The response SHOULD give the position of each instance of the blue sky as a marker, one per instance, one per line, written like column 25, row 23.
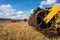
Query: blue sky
column 21, row 9
column 24, row 5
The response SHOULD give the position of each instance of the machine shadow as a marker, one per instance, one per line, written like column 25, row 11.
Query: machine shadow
column 51, row 35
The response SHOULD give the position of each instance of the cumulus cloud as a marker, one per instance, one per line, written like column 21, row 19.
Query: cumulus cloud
column 48, row 3
column 7, row 11
column 22, row 15
column 1, row 15
column 29, row 13
column 20, row 12
column 57, row 4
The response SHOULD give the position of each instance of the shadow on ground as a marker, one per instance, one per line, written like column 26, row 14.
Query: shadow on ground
column 51, row 35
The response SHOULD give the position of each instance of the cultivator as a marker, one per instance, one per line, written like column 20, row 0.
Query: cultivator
column 46, row 19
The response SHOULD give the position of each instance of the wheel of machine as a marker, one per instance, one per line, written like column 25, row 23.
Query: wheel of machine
column 39, row 20
column 58, row 29
column 31, row 20
column 36, row 20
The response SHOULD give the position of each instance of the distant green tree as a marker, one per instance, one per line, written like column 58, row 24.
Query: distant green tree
column 25, row 20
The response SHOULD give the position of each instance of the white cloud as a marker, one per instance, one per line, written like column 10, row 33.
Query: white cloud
column 24, row 15
column 20, row 12
column 1, row 16
column 57, row 4
column 29, row 13
column 7, row 11
column 49, row 3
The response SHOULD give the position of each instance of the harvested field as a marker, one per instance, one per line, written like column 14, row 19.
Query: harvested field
column 22, row 31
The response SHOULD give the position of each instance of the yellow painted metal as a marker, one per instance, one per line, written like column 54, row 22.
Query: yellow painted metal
column 53, row 11
column 57, row 19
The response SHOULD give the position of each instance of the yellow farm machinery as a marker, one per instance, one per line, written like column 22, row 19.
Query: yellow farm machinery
column 46, row 19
